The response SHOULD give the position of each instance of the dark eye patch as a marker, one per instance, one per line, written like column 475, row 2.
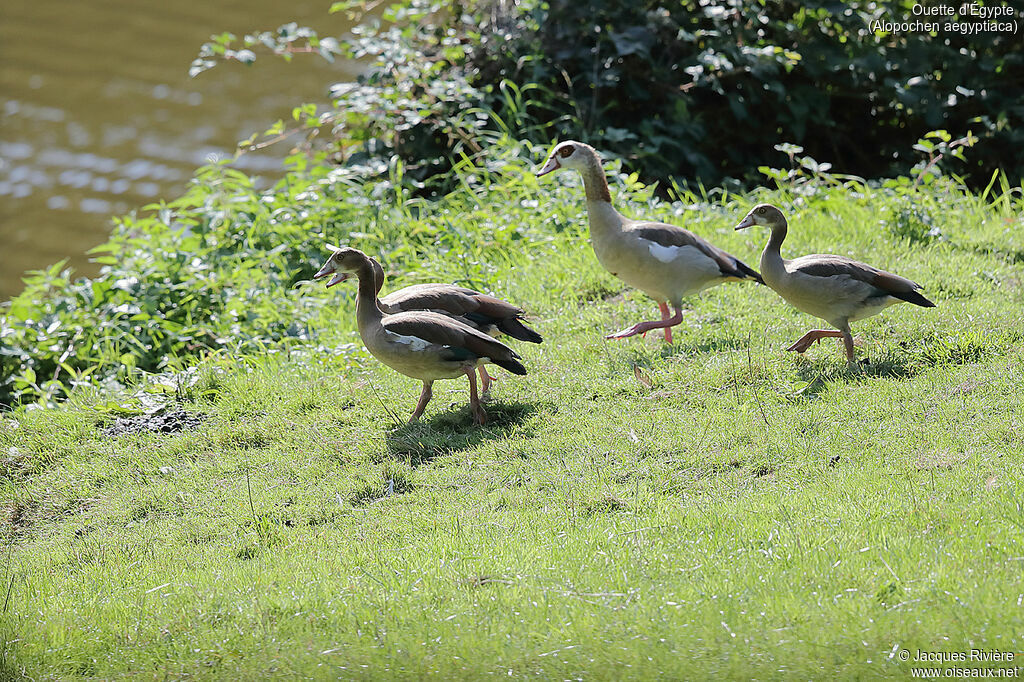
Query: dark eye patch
column 565, row 151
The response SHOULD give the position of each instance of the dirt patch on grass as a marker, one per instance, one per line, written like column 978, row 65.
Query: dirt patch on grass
column 172, row 421
column 20, row 514
column 17, row 464
column 939, row 460
column 604, row 505
column 483, row 580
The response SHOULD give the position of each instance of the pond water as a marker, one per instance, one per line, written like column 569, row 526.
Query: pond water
column 98, row 115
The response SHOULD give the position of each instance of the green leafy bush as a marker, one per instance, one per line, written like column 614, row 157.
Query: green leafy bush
column 703, row 91
column 694, row 91
column 414, row 101
column 212, row 269
column 222, row 269
column 439, row 112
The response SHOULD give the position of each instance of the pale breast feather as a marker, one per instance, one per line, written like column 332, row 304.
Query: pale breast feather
column 415, row 343
column 666, row 254
column 669, row 254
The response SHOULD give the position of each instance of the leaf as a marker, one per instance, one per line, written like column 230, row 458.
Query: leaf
column 345, row 6
column 124, row 409
column 613, row 134
column 329, row 44
column 634, row 40
column 788, row 148
column 641, row 377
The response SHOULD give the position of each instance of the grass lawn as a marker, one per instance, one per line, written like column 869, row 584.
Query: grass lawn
column 713, row 509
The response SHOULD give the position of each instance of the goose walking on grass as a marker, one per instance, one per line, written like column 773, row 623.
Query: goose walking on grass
column 487, row 314
column 421, row 344
column 836, row 289
column 664, row 261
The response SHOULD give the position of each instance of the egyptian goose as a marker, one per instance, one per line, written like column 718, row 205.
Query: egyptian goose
column 836, row 289
column 484, row 313
column 421, row 344
column 666, row 262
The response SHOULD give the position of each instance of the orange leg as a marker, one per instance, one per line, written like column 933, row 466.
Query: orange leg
column 425, row 396
column 849, row 343
column 815, row 335
column 665, row 315
column 812, row 337
column 643, row 327
column 479, row 416
column 485, row 379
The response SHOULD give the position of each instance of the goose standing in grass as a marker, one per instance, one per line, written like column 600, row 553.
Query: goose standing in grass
column 421, row 344
column 484, row 313
column 836, row 289
column 664, row 261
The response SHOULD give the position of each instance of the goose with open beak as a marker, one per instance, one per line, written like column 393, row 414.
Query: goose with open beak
column 421, row 344
column 487, row 314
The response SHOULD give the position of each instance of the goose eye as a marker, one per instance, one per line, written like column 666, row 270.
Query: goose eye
column 565, row 151
column 761, row 211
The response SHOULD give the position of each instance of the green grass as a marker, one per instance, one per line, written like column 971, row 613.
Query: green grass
column 717, row 508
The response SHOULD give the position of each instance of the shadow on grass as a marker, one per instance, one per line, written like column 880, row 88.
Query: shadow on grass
column 1009, row 255
column 453, row 430
column 912, row 356
column 819, row 374
column 713, row 345
column 645, row 356
column 904, row 360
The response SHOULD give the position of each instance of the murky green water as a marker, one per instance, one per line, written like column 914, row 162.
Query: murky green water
column 98, row 115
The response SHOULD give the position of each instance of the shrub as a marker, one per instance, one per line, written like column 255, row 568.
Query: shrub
column 703, row 91
column 438, row 111
column 694, row 91
column 212, row 269
column 222, row 267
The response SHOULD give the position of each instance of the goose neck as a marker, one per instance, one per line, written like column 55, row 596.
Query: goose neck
column 779, row 231
column 772, row 265
column 368, row 308
column 595, row 182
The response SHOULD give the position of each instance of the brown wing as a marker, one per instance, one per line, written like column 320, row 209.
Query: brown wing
column 673, row 235
column 505, row 316
column 463, row 341
column 447, row 297
column 828, row 265
column 495, row 307
column 475, row 308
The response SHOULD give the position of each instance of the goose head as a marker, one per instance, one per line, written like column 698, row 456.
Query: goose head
column 763, row 214
column 343, row 263
column 569, row 154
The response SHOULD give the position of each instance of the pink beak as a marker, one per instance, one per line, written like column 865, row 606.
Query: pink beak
column 552, row 164
column 746, row 222
column 328, row 269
